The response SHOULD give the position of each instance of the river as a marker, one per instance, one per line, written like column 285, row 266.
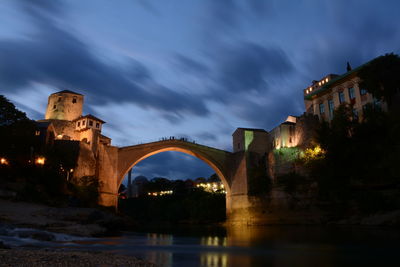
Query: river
column 257, row 246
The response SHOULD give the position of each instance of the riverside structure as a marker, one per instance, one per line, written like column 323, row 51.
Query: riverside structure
column 248, row 172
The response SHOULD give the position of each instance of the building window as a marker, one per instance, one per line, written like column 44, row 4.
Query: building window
column 90, row 123
column 79, row 123
column 351, row 93
column 321, row 108
column 83, row 123
column 37, row 133
column 366, row 107
column 97, row 125
column 355, row 114
column 55, row 106
column 377, row 104
column 74, row 100
column 341, row 97
column 363, row 91
column 59, row 99
column 331, row 107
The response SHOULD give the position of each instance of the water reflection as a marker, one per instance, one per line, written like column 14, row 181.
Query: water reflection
column 162, row 258
column 263, row 246
column 213, row 241
column 214, row 259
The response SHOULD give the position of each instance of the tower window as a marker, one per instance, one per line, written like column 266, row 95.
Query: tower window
column 55, row 106
column 83, row 123
column 97, row 125
column 74, row 100
column 59, row 99
column 90, row 123
column 79, row 123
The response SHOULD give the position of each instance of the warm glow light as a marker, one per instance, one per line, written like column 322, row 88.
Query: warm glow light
column 161, row 193
column 326, row 80
column 311, row 154
column 319, row 83
column 40, row 160
column 3, row 161
column 59, row 136
column 307, row 91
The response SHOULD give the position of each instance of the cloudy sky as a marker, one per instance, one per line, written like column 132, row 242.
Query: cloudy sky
column 193, row 68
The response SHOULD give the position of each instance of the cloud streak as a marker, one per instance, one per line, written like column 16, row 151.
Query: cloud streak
column 55, row 57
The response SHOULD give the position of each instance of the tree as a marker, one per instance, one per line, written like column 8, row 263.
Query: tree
column 381, row 77
column 16, row 130
column 9, row 114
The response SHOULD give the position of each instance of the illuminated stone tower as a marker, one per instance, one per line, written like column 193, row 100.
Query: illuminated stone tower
column 64, row 105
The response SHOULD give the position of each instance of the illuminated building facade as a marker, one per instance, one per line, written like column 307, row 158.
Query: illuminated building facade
column 322, row 97
column 64, row 114
column 295, row 131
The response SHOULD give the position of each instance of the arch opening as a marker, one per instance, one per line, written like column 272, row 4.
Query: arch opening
column 217, row 169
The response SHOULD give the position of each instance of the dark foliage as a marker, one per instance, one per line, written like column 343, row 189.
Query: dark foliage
column 45, row 183
column 17, row 140
column 196, row 206
column 361, row 164
column 84, row 192
column 381, row 77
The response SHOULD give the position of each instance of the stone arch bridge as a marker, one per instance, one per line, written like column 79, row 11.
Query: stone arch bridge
column 233, row 168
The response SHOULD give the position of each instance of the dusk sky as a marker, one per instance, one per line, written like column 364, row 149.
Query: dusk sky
column 190, row 68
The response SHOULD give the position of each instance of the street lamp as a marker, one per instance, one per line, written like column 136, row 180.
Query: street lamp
column 40, row 160
column 3, row 161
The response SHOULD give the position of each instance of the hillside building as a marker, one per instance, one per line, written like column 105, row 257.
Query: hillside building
column 323, row 96
column 66, row 128
column 64, row 113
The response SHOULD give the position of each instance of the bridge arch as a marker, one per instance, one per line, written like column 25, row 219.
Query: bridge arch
column 217, row 159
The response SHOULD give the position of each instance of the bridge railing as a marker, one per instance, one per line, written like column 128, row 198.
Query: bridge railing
column 167, row 138
column 174, row 138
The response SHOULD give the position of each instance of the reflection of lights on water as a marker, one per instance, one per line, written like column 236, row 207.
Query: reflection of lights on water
column 159, row 239
column 214, row 259
column 161, row 258
column 213, row 241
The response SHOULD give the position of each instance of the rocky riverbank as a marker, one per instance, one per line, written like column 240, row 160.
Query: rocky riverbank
column 46, row 257
column 70, row 220
column 29, row 232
